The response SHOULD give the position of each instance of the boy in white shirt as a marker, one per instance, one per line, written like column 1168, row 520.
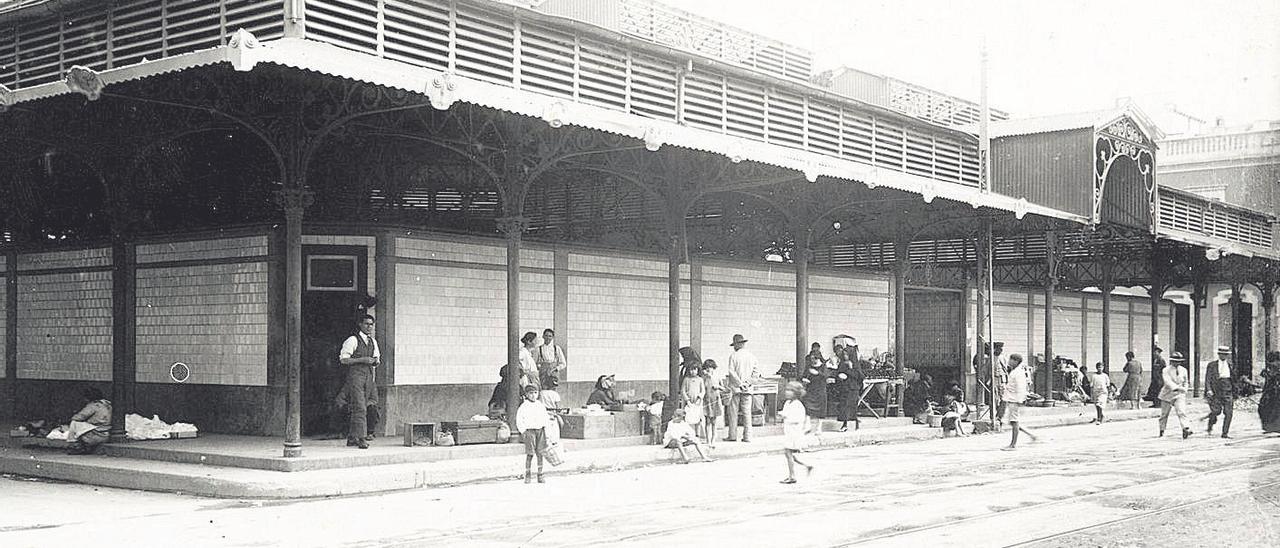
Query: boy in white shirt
column 531, row 421
column 680, row 435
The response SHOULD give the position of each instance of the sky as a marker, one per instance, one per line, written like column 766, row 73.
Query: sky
column 1208, row 59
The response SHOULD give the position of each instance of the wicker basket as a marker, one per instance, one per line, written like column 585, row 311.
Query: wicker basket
column 554, row 453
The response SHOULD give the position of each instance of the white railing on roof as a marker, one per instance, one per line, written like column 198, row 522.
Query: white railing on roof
column 675, row 27
column 935, row 106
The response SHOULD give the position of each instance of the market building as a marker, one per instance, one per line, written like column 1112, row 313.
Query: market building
column 200, row 193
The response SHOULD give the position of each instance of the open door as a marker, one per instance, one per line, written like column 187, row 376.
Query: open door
column 334, row 295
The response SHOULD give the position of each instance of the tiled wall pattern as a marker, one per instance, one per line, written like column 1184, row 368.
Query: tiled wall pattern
column 211, row 317
column 451, row 321
column 619, row 326
column 64, row 324
column 1010, row 323
column 765, row 317
column 862, row 308
column 190, row 250
column 4, row 317
column 79, row 258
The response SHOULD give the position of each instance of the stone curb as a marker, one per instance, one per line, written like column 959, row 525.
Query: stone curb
column 221, row 482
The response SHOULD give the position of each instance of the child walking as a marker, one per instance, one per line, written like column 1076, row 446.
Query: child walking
column 680, row 435
column 794, row 425
column 531, row 421
column 1099, row 383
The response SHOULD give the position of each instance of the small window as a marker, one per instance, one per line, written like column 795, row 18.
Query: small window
column 331, row 273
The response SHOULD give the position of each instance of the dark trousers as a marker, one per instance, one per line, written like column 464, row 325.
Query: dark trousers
column 361, row 394
column 1222, row 403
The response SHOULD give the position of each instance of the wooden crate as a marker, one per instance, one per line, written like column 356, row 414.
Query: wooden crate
column 419, row 433
column 588, row 427
column 472, row 432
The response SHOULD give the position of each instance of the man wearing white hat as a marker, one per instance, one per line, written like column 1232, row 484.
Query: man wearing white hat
column 1173, row 393
column 741, row 370
column 1219, row 390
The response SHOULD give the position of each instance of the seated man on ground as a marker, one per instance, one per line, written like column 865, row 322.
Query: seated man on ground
column 680, row 435
column 91, row 426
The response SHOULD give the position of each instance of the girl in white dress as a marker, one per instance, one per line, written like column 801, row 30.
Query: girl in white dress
column 795, row 424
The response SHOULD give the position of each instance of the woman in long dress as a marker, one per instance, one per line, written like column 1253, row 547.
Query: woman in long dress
column 1269, row 403
column 814, row 378
column 1132, row 389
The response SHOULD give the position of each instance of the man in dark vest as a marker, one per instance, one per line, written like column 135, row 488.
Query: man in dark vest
column 1220, row 390
column 360, row 356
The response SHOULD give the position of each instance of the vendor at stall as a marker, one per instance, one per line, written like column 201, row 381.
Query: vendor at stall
column 603, row 395
column 91, row 426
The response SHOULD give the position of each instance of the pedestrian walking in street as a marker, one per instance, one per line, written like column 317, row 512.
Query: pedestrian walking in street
column 1269, row 403
column 1173, row 394
column 1220, row 391
column 1100, row 381
column 794, row 428
column 1014, row 394
column 743, row 369
column 679, row 435
column 1157, row 377
column 360, row 355
column 715, row 400
column 531, row 421
column 1130, row 390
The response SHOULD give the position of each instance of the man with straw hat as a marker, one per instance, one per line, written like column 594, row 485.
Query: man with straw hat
column 1173, row 393
column 741, row 370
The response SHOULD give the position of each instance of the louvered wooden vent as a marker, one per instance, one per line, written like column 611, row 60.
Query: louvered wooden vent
column 1190, row 213
column 117, row 34
column 454, row 36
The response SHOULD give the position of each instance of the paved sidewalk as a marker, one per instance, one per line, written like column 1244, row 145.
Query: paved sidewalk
column 231, row 482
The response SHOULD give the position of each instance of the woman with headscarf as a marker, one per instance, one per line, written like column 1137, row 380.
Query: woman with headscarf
column 603, row 394
column 1269, row 403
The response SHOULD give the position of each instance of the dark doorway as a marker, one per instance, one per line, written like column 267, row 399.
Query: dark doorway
column 933, row 344
column 1243, row 360
column 1181, row 335
column 334, row 295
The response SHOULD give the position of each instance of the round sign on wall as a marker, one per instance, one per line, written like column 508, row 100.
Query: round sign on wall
column 179, row 372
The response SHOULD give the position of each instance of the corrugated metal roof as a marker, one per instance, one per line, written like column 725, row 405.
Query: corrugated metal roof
column 1066, row 122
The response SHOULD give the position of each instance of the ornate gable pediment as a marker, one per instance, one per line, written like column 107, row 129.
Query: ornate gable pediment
column 1125, row 128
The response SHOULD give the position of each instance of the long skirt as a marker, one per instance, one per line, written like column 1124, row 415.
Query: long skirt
column 1131, row 391
column 1269, row 405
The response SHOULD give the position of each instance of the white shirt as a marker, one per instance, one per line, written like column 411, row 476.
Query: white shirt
column 349, row 346
column 742, row 368
column 532, row 415
column 527, row 366
column 1015, row 387
column 678, row 431
column 1224, row 369
column 551, row 354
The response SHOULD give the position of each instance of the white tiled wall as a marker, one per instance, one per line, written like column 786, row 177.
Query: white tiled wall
column 64, row 325
column 80, row 258
column 451, row 321
column 765, row 317
column 211, row 317
column 248, row 246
